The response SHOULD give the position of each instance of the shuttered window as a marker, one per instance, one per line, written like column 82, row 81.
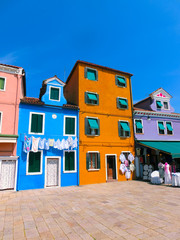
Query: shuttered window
column 92, row 126
column 120, row 81
column 124, row 129
column 159, row 104
column 70, row 126
column 92, row 160
column 34, row 161
column 70, row 161
column 169, row 128
column 54, row 93
column 138, row 126
column 37, row 123
column 2, row 83
column 161, row 128
column 91, row 74
column 92, row 98
column 122, row 103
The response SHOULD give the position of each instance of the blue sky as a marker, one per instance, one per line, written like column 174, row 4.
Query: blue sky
column 138, row 36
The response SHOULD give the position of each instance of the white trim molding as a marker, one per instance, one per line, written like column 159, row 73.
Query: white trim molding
column 75, row 163
column 41, row 164
column 156, row 114
column 11, row 69
column 3, row 90
column 59, row 172
column 30, row 119
column 106, row 155
column 50, row 93
column 64, row 125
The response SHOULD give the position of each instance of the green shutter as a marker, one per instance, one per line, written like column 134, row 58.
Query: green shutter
column 93, row 123
column 91, row 74
column 87, row 160
column 169, row 126
column 2, row 82
column 161, row 126
column 54, row 94
column 36, row 123
column 34, row 162
column 138, row 124
column 70, row 126
column 69, row 161
column 98, row 161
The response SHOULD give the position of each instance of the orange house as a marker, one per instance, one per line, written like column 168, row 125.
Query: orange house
column 105, row 120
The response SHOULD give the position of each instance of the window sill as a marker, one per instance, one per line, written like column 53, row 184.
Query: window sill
column 93, row 170
column 70, row 171
column 40, row 173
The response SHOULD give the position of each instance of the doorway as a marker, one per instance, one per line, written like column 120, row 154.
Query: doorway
column 7, row 174
column 52, row 172
column 111, row 171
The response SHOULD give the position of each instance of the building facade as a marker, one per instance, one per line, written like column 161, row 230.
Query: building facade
column 105, row 120
column 12, row 88
column 157, row 131
column 48, row 139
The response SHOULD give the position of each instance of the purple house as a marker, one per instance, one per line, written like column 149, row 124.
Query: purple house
column 157, row 131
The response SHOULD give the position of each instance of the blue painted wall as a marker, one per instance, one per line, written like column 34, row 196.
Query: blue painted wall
column 53, row 129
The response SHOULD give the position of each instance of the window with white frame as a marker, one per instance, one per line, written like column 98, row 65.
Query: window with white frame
column 161, row 128
column 120, row 81
column 34, row 162
column 122, row 103
column 166, row 105
column 159, row 104
column 69, row 161
column 70, row 125
column 91, row 98
column 54, row 93
column 124, row 129
column 138, row 126
column 36, row 123
column 92, row 160
column 2, row 83
column 169, row 128
column 92, row 126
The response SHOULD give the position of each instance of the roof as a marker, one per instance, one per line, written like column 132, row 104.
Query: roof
column 71, row 106
column 159, row 89
column 31, row 100
column 95, row 65
column 142, row 100
column 151, row 111
column 55, row 77
column 7, row 65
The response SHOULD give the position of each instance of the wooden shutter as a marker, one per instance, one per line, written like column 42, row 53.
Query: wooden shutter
column 117, row 100
column 98, row 161
column 39, row 123
column 97, row 99
column 119, row 128
column 86, row 97
column 87, row 128
column 98, row 131
column 87, row 160
column 85, row 72
column 70, row 125
column 34, row 162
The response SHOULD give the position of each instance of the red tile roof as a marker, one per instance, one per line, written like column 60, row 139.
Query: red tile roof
column 70, row 106
column 30, row 100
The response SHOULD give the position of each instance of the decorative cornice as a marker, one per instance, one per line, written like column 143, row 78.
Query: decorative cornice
column 157, row 114
column 11, row 70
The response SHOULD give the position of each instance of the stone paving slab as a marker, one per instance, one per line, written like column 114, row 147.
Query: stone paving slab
column 117, row 210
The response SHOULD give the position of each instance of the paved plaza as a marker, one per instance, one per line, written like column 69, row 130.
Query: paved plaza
column 116, row 210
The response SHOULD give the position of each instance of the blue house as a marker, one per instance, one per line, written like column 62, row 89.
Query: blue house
column 48, row 139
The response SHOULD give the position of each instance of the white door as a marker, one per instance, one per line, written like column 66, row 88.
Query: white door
column 52, row 172
column 7, row 174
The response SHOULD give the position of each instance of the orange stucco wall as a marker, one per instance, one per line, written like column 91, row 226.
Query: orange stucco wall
column 107, row 112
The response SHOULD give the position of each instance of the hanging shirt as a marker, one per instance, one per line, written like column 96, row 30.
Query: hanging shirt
column 35, row 144
column 55, row 144
column 46, row 144
column 74, row 145
column 70, row 141
column 63, row 144
column 66, row 144
column 41, row 143
column 27, row 144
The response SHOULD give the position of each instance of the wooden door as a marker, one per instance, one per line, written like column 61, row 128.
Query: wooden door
column 52, row 172
column 7, row 174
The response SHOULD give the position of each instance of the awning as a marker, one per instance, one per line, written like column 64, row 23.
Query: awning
column 159, row 104
column 93, row 123
column 161, row 126
column 168, row 147
column 121, row 80
column 125, row 126
column 123, row 102
column 138, row 124
column 169, row 127
column 92, row 96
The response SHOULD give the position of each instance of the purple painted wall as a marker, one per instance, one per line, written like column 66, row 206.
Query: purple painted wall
column 150, row 128
column 154, row 107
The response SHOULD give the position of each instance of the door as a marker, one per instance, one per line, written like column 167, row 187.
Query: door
column 111, row 167
column 52, row 172
column 7, row 175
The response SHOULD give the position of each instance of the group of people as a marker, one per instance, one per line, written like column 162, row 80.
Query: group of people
column 165, row 171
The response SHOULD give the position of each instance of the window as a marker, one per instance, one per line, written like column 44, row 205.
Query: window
column 122, row 103
column 159, row 104
column 169, row 128
column 70, row 125
column 138, row 126
column 166, row 106
column 92, row 160
column 91, row 74
column 36, row 123
column 69, row 161
column 34, row 163
column 91, row 98
column 120, row 81
column 2, row 84
column 161, row 128
column 92, row 126
column 54, row 93
column 124, row 130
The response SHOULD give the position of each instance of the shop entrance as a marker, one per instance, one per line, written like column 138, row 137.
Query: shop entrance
column 111, row 167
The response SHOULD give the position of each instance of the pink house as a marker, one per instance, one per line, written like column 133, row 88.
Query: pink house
column 12, row 89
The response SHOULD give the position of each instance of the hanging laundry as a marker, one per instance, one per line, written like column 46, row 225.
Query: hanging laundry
column 35, row 144
column 51, row 142
column 128, row 174
column 55, row 144
column 63, row 144
column 27, row 144
column 41, row 143
column 130, row 157
column 74, row 145
column 132, row 167
column 66, row 144
column 123, row 168
column 122, row 158
column 46, row 144
column 70, row 141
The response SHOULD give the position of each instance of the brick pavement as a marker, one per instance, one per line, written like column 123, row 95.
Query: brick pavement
column 116, row 210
